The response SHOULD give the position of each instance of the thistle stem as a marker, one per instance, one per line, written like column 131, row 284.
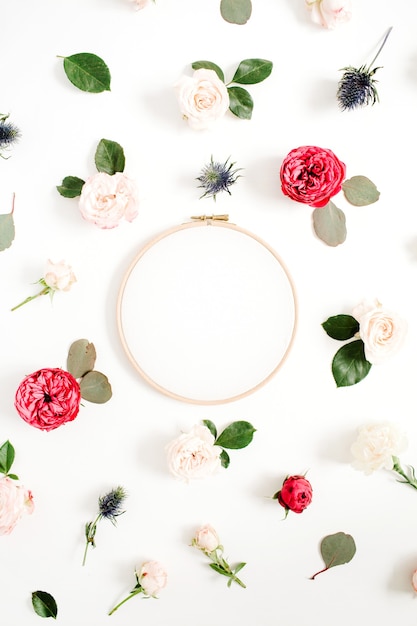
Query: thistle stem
column 380, row 47
column 44, row 291
column 133, row 593
column 90, row 534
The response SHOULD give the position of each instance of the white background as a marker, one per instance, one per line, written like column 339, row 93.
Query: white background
column 303, row 421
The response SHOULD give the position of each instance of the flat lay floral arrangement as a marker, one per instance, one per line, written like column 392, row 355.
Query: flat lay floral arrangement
column 102, row 192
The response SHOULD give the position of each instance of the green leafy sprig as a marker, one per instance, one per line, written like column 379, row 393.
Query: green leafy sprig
column 44, row 604
column 249, row 72
column 94, row 385
column 349, row 365
column 87, row 72
column 336, row 549
column 7, row 229
column 234, row 437
column 109, row 158
column 7, row 455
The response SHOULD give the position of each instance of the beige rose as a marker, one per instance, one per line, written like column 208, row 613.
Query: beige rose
column 202, row 97
column 107, row 199
column 206, row 539
column 15, row 501
column 381, row 330
column 59, row 276
column 193, row 454
column 152, row 578
column 330, row 13
column 375, row 446
column 414, row 580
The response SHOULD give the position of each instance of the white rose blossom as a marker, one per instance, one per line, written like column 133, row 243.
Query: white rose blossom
column 152, row 578
column 15, row 502
column 202, row 98
column 382, row 331
column 376, row 445
column 59, row 276
column 206, row 539
column 107, row 199
column 193, row 454
column 330, row 13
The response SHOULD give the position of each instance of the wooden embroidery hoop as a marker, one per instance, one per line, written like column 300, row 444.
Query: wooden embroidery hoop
column 126, row 297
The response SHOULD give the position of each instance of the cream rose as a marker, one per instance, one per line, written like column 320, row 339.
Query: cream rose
column 141, row 4
column 152, row 578
column 375, row 446
column 106, row 199
column 59, row 276
column 15, row 501
column 202, row 97
column 414, row 580
column 330, row 13
column 193, row 454
column 206, row 539
column 381, row 330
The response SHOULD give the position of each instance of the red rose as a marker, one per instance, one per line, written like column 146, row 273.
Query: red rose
column 296, row 494
column 48, row 398
column 312, row 175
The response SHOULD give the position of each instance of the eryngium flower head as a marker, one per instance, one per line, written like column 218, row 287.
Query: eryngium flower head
column 216, row 177
column 357, row 88
column 9, row 133
column 110, row 505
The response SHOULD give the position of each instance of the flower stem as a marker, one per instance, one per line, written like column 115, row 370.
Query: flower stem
column 133, row 593
column 410, row 480
column 380, row 47
column 44, row 291
column 90, row 532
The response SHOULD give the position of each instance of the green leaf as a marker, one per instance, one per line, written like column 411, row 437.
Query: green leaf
column 251, row 71
column 219, row 569
column 341, row 327
column 240, row 102
column 236, row 11
column 208, row 65
column 329, row 224
column 7, row 231
column 95, row 387
column 87, row 72
column 238, row 567
column 360, row 191
column 225, row 459
column 6, row 457
column 13, row 476
column 337, row 549
column 44, row 604
column 212, row 428
column 81, row 358
column 349, row 364
column 237, row 435
column 71, row 186
column 109, row 157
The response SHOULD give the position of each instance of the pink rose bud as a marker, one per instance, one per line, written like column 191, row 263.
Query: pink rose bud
column 206, row 539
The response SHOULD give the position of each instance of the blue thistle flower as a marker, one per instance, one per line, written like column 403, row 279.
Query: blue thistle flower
column 110, row 507
column 216, row 177
column 9, row 133
column 357, row 87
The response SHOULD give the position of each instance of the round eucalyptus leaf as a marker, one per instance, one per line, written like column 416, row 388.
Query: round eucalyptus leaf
column 81, row 358
column 337, row 549
column 236, row 11
column 7, row 231
column 360, row 191
column 95, row 387
column 329, row 224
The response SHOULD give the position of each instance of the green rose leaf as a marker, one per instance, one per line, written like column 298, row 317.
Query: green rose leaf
column 6, row 457
column 329, row 224
column 212, row 428
column 349, row 364
column 236, row 11
column 240, row 102
column 44, row 604
column 360, row 191
column 336, row 549
column 251, row 71
column 71, row 186
column 87, row 72
column 13, row 476
column 219, row 569
column 208, row 65
column 109, row 157
column 224, row 459
column 81, row 358
column 341, row 327
column 7, row 231
column 237, row 435
column 95, row 387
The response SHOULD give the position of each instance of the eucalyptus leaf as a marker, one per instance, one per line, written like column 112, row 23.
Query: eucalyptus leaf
column 360, row 191
column 224, row 459
column 44, row 604
column 329, row 224
column 341, row 327
column 251, row 71
column 212, row 428
column 109, row 157
column 81, row 358
column 236, row 11
column 88, row 72
column 71, row 186
column 336, row 549
column 6, row 457
column 237, row 435
column 208, row 65
column 7, row 231
column 240, row 102
column 95, row 387
column 349, row 365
